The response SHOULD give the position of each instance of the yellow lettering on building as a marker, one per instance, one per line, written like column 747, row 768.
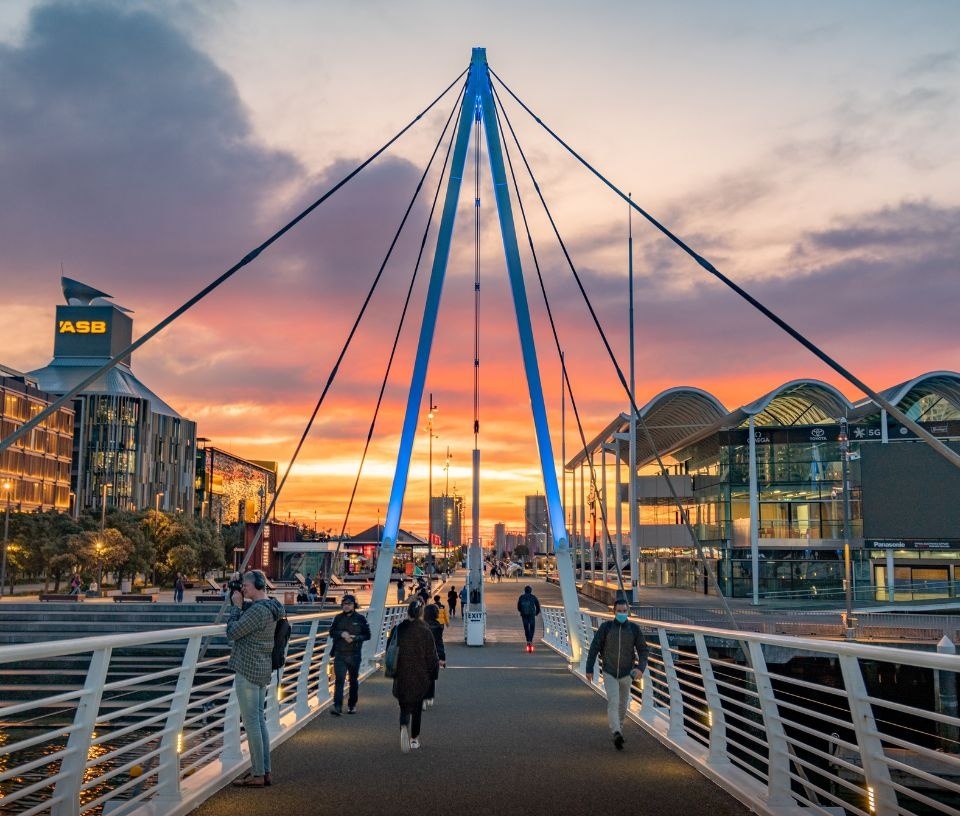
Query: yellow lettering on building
column 82, row 327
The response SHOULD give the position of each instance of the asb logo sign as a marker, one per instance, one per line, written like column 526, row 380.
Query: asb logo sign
column 82, row 327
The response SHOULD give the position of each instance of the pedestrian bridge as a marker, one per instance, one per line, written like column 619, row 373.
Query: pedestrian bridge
column 723, row 722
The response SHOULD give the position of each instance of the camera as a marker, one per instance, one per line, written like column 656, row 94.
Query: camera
column 234, row 585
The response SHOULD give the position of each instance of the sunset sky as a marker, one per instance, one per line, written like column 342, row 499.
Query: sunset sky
column 808, row 149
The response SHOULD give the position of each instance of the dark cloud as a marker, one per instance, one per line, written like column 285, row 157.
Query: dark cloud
column 126, row 151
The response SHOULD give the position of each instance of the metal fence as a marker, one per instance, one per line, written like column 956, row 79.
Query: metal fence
column 787, row 722
column 146, row 723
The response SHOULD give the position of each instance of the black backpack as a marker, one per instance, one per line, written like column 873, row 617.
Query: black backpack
column 281, row 640
column 528, row 605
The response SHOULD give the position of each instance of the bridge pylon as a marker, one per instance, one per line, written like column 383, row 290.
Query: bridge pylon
column 478, row 102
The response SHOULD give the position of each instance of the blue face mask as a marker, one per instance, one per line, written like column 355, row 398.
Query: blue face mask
column 621, row 617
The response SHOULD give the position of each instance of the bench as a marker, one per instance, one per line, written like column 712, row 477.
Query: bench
column 208, row 597
column 58, row 596
column 129, row 597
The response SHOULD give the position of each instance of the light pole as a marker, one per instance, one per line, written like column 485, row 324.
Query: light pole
column 103, row 506
column 844, row 440
column 8, row 489
column 430, row 415
column 99, row 569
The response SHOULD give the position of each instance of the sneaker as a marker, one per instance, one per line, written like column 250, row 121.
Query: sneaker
column 423, row 705
column 428, row 703
column 335, row 712
column 405, row 739
column 352, row 710
column 414, row 743
column 267, row 780
column 618, row 741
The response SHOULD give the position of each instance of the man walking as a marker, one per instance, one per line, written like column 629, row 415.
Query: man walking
column 452, row 599
column 463, row 599
column 347, row 633
column 528, row 605
column 623, row 652
column 178, row 589
column 251, row 632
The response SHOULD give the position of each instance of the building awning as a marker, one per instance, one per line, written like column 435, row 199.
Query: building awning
column 670, row 417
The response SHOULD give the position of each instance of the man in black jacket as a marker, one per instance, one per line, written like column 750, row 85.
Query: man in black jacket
column 347, row 633
column 528, row 605
column 623, row 652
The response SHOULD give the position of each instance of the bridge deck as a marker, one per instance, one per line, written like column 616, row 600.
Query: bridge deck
column 511, row 733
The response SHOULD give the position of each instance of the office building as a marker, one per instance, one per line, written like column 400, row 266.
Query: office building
column 130, row 449
column 538, row 536
column 35, row 471
column 230, row 488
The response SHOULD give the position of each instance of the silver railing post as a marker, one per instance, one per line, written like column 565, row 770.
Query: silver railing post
column 273, row 704
column 676, row 730
column 231, row 729
column 876, row 772
column 778, row 750
column 324, row 694
column 168, row 775
column 303, row 678
column 66, row 792
column 715, row 719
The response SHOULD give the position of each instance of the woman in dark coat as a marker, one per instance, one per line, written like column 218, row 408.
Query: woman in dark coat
column 431, row 616
column 417, row 666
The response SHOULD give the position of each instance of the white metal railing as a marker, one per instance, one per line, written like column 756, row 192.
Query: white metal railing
column 153, row 727
column 854, row 729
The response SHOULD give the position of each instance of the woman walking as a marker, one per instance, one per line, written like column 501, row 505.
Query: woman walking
column 435, row 624
column 417, row 666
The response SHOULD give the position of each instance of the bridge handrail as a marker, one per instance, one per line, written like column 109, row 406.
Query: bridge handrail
column 158, row 739
column 778, row 740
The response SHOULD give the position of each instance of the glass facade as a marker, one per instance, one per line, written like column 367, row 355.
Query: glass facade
column 37, row 468
column 130, row 456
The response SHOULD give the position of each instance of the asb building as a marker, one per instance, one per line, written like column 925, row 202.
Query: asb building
column 130, row 449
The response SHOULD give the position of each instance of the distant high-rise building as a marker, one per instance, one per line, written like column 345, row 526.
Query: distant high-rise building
column 538, row 537
column 446, row 513
column 500, row 539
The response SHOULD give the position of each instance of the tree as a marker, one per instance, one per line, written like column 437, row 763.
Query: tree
column 142, row 551
column 521, row 551
column 182, row 558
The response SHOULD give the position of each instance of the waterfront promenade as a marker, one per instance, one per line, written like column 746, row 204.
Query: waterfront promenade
column 511, row 733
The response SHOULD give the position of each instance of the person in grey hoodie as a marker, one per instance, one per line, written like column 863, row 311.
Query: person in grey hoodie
column 250, row 630
column 623, row 652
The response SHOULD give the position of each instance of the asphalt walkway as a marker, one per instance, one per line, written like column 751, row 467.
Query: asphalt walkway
column 511, row 733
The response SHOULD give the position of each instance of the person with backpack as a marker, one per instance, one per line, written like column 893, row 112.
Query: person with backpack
column 434, row 621
column 452, row 602
column 528, row 605
column 463, row 599
column 442, row 615
column 623, row 653
column 416, row 666
column 348, row 631
column 251, row 631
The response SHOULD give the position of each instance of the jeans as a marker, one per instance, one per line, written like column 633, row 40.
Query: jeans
column 618, row 698
column 177, row 595
column 251, row 698
column 529, row 627
column 410, row 714
column 343, row 666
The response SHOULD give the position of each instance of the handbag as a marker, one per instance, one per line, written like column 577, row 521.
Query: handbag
column 392, row 655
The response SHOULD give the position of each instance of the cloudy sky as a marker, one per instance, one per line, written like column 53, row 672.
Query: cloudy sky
column 809, row 150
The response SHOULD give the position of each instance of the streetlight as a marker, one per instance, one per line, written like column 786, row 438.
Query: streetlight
column 99, row 549
column 8, row 489
column 103, row 505
column 430, row 415
column 844, row 441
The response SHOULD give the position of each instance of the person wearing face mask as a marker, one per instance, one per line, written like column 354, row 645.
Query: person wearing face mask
column 623, row 653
